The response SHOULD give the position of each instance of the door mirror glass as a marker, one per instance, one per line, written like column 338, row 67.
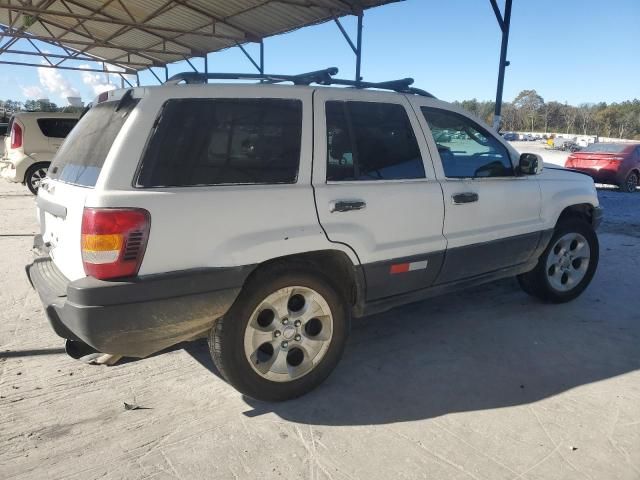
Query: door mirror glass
column 530, row 164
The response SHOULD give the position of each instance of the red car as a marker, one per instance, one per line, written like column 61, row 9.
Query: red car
column 611, row 163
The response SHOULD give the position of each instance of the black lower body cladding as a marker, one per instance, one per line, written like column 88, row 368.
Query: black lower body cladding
column 136, row 317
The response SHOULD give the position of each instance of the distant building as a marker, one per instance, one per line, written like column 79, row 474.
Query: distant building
column 75, row 101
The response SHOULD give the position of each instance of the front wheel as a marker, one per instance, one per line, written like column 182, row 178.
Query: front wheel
column 567, row 265
column 34, row 175
column 283, row 336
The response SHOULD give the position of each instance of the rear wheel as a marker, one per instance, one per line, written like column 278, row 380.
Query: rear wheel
column 283, row 336
column 35, row 174
column 630, row 183
column 567, row 265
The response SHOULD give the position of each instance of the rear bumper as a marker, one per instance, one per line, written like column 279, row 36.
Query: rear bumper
column 9, row 172
column 136, row 317
column 602, row 175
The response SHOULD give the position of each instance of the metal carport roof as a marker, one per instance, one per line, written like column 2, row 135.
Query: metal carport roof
column 138, row 34
column 135, row 35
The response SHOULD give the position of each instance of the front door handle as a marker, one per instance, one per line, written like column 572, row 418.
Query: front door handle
column 346, row 205
column 466, row 197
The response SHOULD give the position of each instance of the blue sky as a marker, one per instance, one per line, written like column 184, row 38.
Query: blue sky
column 569, row 50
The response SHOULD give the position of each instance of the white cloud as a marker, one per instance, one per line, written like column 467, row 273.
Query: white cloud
column 32, row 92
column 97, row 81
column 54, row 83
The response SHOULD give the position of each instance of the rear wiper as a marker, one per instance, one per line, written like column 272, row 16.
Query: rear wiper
column 126, row 98
column 84, row 112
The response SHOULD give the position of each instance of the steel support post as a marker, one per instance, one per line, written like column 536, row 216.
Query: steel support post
column 504, row 26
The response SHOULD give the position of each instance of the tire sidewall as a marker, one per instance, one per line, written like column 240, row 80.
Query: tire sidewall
column 30, row 171
column 571, row 225
column 625, row 185
column 237, row 368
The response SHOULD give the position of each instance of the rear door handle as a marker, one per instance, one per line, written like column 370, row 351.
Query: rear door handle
column 466, row 197
column 346, row 205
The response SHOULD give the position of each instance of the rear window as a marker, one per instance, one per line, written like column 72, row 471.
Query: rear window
column 56, row 127
column 82, row 154
column 224, row 141
column 605, row 148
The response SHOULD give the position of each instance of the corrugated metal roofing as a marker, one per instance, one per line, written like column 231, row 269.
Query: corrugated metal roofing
column 137, row 34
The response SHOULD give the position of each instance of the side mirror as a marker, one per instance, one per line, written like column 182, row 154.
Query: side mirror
column 530, row 164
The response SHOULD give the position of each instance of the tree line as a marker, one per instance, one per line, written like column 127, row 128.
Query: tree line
column 529, row 112
column 9, row 107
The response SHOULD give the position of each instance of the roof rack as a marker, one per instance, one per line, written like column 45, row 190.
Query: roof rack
column 320, row 77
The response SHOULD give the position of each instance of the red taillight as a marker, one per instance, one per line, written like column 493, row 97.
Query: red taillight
column 569, row 161
column 114, row 241
column 16, row 135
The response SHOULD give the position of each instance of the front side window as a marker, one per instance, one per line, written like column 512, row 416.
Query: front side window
column 224, row 141
column 466, row 149
column 371, row 141
column 56, row 127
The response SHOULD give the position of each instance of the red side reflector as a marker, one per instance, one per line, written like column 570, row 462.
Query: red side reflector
column 399, row 268
column 114, row 241
column 103, row 97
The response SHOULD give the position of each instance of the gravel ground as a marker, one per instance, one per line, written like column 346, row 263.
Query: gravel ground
column 485, row 384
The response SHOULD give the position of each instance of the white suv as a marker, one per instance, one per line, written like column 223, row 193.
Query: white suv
column 31, row 143
column 266, row 216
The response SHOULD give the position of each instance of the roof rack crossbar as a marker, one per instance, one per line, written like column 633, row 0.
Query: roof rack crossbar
column 320, row 77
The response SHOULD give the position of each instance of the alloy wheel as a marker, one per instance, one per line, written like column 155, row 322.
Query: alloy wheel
column 288, row 334
column 568, row 261
column 36, row 177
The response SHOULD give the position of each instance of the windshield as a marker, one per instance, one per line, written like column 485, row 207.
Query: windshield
column 605, row 148
column 83, row 153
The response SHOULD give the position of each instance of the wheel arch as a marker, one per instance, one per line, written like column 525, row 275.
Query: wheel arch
column 579, row 210
column 335, row 265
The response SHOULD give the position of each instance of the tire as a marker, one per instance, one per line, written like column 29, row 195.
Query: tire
column 630, row 183
column 247, row 332
column 558, row 278
column 35, row 173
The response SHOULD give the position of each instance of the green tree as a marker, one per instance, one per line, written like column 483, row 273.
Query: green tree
column 529, row 103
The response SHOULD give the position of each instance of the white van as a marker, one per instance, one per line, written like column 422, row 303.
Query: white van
column 32, row 140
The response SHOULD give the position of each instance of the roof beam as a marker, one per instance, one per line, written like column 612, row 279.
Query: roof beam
column 496, row 11
column 73, row 57
column 163, row 9
column 93, row 41
column 24, row 64
column 166, row 7
column 98, row 43
column 110, row 20
column 42, row 4
column 249, row 36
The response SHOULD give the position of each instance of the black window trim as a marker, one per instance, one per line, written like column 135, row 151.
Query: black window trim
column 482, row 130
column 135, row 181
column 355, row 148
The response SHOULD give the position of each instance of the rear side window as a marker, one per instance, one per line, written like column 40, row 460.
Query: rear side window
column 224, row 141
column 84, row 151
column 371, row 141
column 56, row 127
